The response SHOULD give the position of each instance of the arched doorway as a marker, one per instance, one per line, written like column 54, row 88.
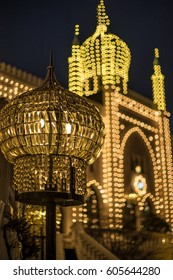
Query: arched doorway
column 137, row 160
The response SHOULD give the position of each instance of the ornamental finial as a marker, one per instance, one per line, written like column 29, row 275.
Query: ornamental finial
column 77, row 29
column 156, row 56
column 102, row 17
column 156, row 52
column 51, row 58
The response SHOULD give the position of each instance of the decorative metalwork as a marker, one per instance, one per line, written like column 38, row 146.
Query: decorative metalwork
column 50, row 135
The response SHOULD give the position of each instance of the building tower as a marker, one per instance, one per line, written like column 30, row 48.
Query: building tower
column 158, row 84
column 135, row 169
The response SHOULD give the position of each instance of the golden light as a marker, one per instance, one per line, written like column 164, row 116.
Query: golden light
column 138, row 169
column 68, row 128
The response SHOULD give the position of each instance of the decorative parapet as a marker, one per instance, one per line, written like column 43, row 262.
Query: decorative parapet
column 14, row 81
column 20, row 74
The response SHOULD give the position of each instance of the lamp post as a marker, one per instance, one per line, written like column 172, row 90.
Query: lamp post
column 50, row 135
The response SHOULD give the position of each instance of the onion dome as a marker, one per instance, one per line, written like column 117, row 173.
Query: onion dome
column 105, row 59
column 50, row 135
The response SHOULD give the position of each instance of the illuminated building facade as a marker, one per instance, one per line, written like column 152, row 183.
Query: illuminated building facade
column 136, row 163
column 135, row 167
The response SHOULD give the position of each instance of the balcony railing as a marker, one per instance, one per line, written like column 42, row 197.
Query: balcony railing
column 87, row 248
column 135, row 245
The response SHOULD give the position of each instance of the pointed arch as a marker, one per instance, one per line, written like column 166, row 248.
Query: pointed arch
column 144, row 137
column 149, row 150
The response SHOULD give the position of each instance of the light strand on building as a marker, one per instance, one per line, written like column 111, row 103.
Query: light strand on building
column 168, row 189
column 75, row 77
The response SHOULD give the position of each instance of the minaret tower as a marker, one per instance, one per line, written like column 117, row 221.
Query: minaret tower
column 75, row 65
column 158, row 84
column 164, row 136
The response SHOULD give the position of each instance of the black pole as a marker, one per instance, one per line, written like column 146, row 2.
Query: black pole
column 51, row 231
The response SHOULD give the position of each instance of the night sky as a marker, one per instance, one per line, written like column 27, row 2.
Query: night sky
column 29, row 29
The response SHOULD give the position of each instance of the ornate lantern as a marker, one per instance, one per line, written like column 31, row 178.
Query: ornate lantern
column 50, row 135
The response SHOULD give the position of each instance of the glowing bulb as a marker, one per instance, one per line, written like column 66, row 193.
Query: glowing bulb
column 68, row 128
column 42, row 213
column 42, row 123
column 138, row 169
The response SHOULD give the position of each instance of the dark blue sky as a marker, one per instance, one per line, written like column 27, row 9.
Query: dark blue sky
column 29, row 29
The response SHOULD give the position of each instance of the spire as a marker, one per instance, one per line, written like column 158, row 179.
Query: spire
column 51, row 59
column 102, row 17
column 158, row 83
column 50, row 78
column 156, row 57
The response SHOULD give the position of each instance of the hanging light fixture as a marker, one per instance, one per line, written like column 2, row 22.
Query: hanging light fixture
column 50, row 135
